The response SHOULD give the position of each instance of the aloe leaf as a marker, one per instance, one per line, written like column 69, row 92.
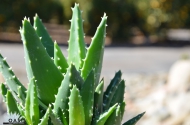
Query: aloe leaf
column 3, row 91
column 32, row 105
column 122, row 108
column 11, row 103
column 76, row 109
column 21, row 110
column 12, row 81
column 113, row 83
column 76, row 50
column 54, row 119
column 98, row 99
column 115, row 118
column 40, row 65
column 87, row 93
column 95, row 52
column 134, row 120
column 110, row 91
column 119, row 94
column 72, row 77
column 59, row 59
column 98, row 96
column 44, row 120
column 45, row 37
column 21, row 96
column 102, row 119
column 64, row 119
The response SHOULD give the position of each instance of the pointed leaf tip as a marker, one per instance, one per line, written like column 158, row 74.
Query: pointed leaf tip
column 134, row 120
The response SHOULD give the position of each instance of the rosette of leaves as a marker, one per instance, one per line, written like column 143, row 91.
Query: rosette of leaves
column 64, row 91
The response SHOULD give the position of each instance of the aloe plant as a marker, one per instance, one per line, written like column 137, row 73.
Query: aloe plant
column 64, row 91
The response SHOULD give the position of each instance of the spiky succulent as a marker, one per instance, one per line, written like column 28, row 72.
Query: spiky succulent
column 64, row 91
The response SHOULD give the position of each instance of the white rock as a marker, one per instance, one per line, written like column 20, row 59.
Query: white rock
column 179, row 76
column 178, row 104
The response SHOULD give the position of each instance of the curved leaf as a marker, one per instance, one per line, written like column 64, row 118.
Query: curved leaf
column 76, row 50
column 76, row 109
column 95, row 52
column 45, row 37
column 40, row 65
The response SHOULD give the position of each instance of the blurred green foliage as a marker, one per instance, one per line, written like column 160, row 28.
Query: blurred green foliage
column 122, row 17
column 13, row 11
column 152, row 17
column 163, row 14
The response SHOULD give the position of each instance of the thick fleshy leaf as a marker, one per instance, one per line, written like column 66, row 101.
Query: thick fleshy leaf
column 40, row 65
column 44, row 120
column 54, row 119
column 72, row 77
column 32, row 105
column 118, row 96
column 115, row 118
column 87, row 93
column 95, row 52
column 76, row 108
column 11, row 103
column 98, row 96
column 76, row 50
column 103, row 118
column 45, row 37
column 12, row 81
column 122, row 106
column 21, row 96
column 134, row 120
column 59, row 59
column 98, row 101
column 111, row 89
column 3, row 91
column 21, row 110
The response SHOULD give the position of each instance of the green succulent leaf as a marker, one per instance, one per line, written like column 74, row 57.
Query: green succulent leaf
column 95, row 52
column 115, row 118
column 72, row 77
column 134, row 120
column 111, row 89
column 59, row 59
column 103, row 117
column 122, row 107
column 98, row 100
column 32, row 105
column 54, row 119
column 11, row 103
column 98, row 97
column 76, row 108
column 40, row 65
column 76, row 50
column 21, row 95
column 64, row 119
column 87, row 93
column 44, row 120
column 21, row 110
column 3, row 91
column 119, row 94
column 45, row 37
column 12, row 81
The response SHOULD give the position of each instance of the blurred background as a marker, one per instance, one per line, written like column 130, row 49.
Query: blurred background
column 148, row 40
column 139, row 22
